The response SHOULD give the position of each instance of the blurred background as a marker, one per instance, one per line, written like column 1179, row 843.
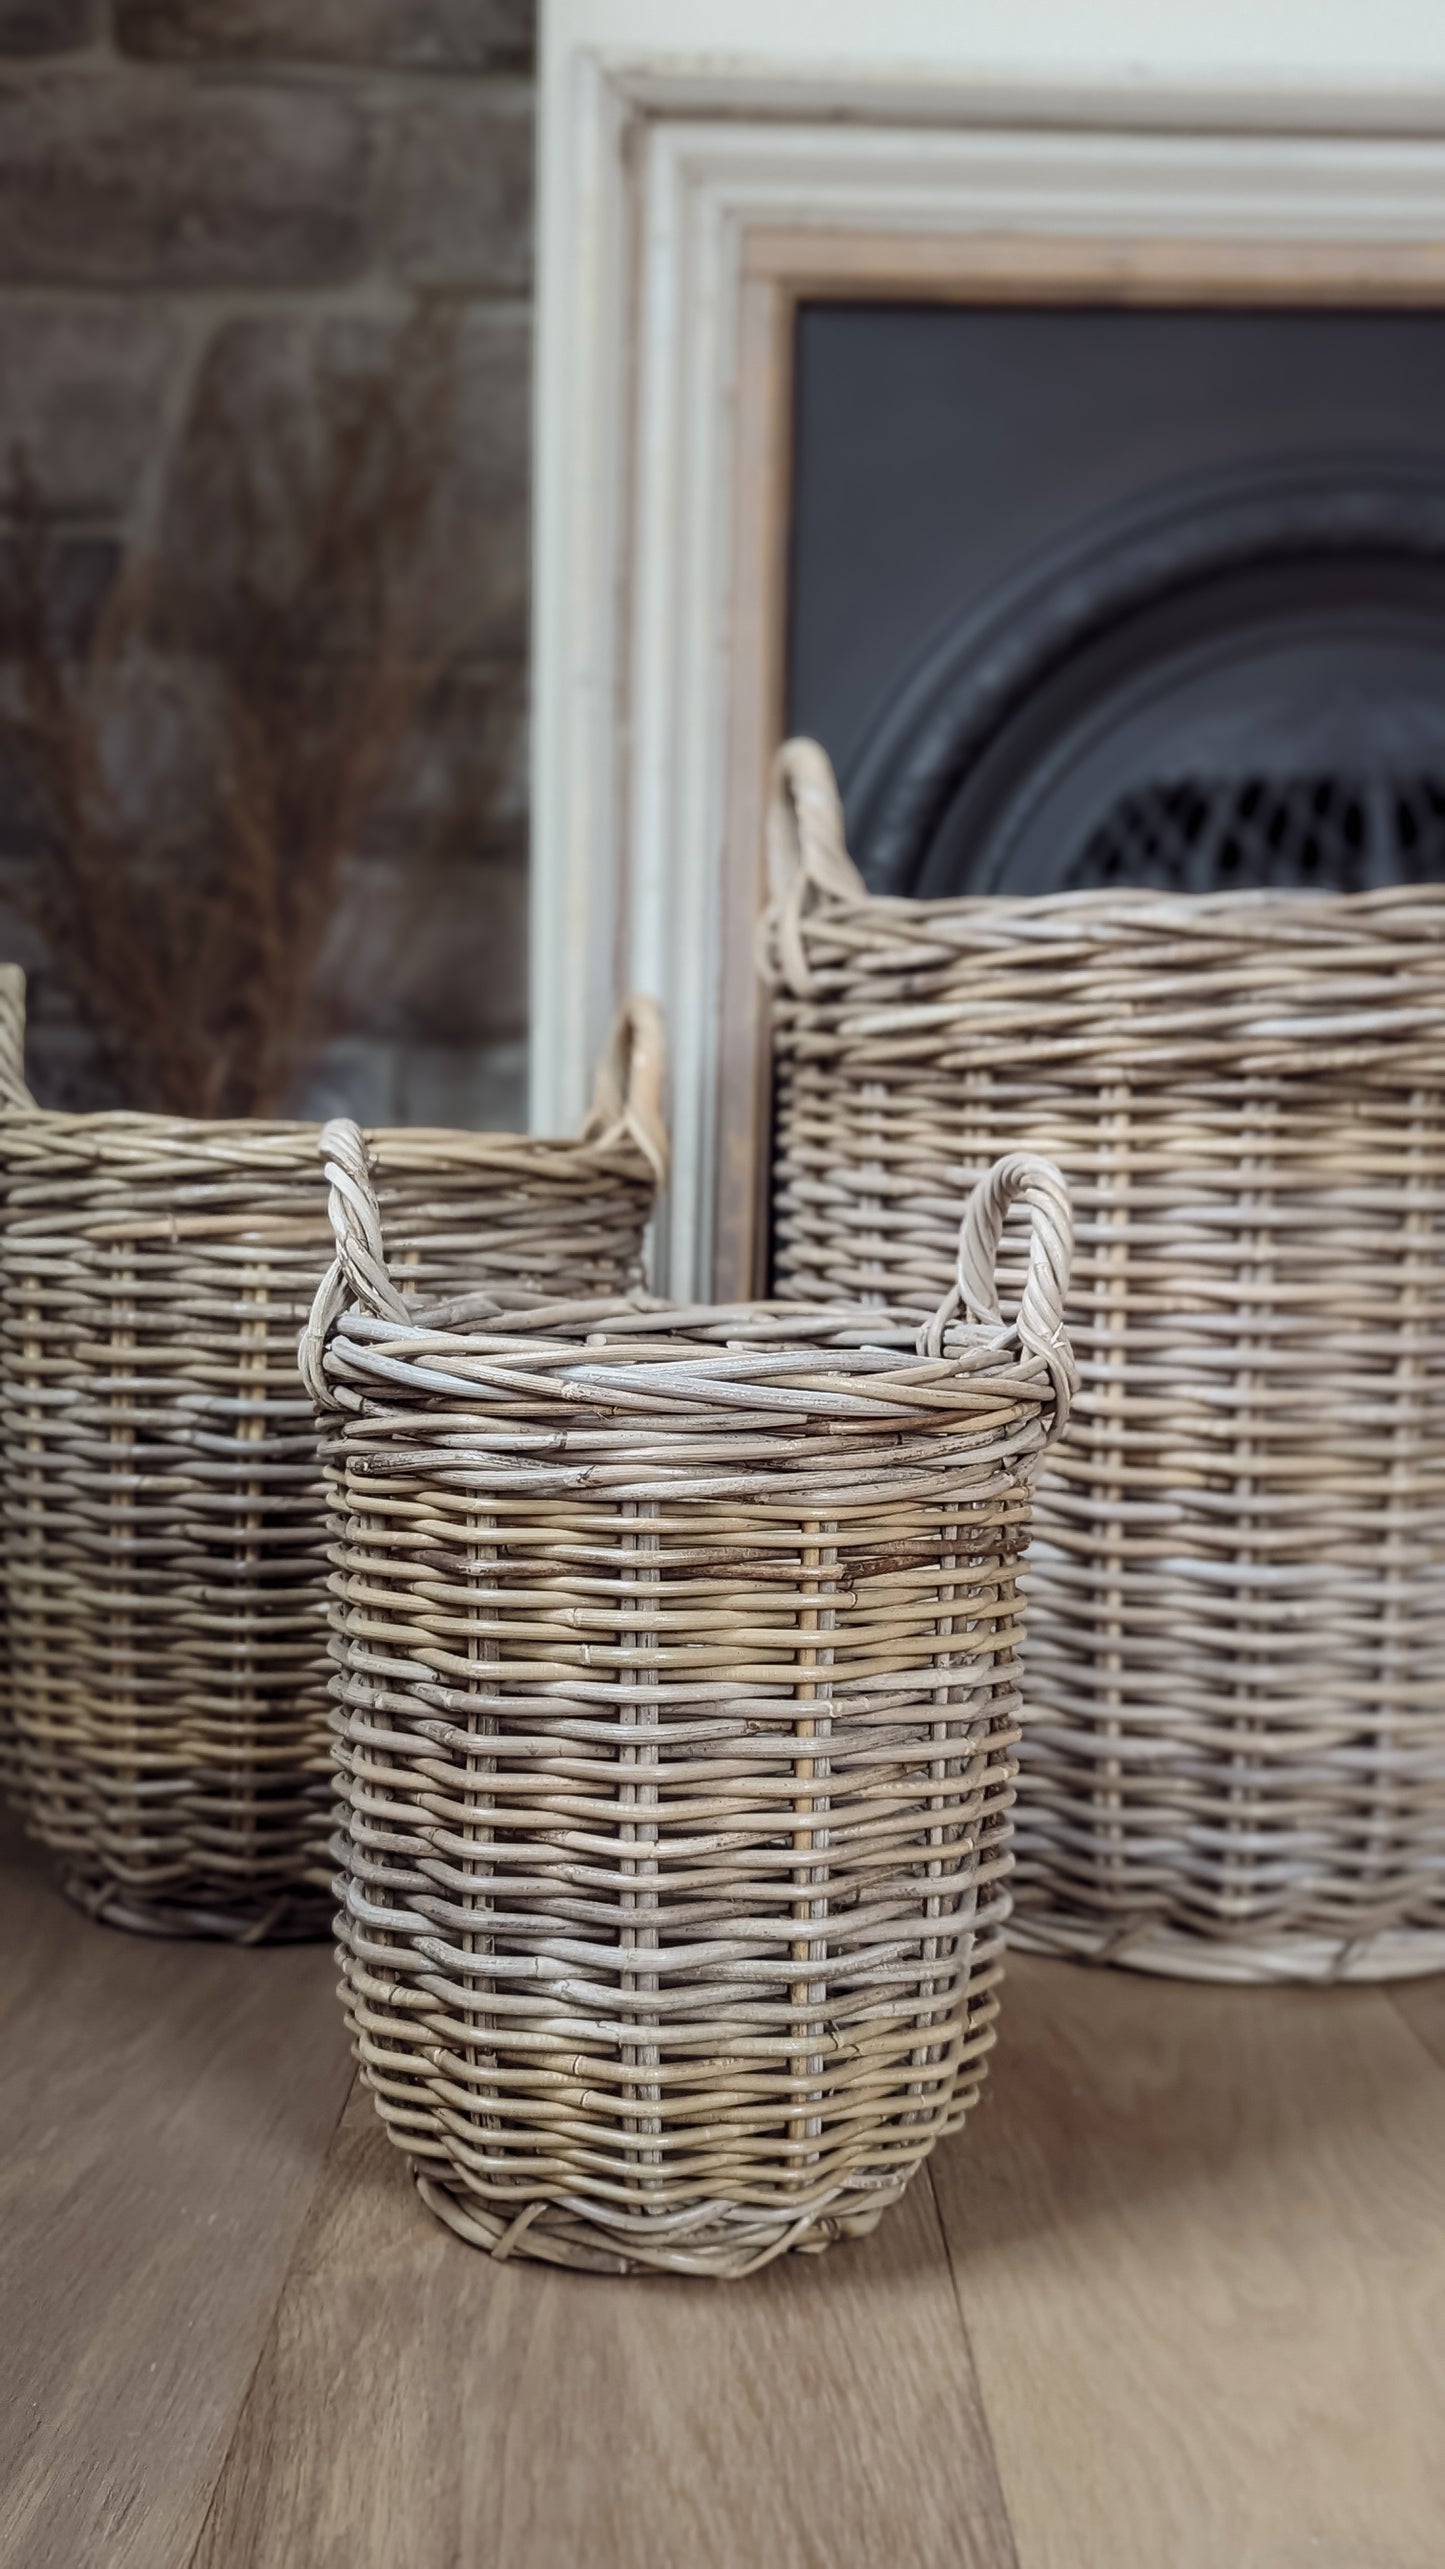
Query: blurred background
column 264, row 370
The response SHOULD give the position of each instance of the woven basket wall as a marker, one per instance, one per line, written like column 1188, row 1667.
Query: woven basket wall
column 1235, row 1759
column 14, row 1099
column 165, row 1577
column 677, row 1708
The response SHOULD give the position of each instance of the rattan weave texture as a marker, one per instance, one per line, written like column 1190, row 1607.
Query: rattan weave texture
column 14, row 1099
column 165, row 1576
column 677, row 1704
column 1234, row 1765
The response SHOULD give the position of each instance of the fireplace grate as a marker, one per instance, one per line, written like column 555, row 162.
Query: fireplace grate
column 1315, row 833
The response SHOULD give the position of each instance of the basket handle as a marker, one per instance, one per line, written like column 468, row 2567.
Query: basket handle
column 808, row 859
column 627, row 1091
column 1039, row 1320
column 15, row 1097
column 358, row 1272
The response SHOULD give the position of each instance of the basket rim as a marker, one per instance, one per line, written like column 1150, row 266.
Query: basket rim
column 624, row 1133
column 127, row 1140
column 1137, row 906
column 360, row 1280
column 551, row 1342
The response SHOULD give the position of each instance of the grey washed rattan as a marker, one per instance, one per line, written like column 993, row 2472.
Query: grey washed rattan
column 165, row 1578
column 1235, row 1760
column 677, row 1703
column 14, row 1099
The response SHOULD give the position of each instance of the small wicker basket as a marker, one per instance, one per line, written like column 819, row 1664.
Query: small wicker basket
column 1235, row 1758
column 678, row 1698
column 165, row 1520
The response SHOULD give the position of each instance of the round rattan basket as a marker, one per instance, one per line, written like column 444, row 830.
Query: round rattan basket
column 165, row 1522
column 677, row 1704
column 1234, row 1766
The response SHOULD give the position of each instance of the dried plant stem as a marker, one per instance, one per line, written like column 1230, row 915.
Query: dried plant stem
column 188, row 917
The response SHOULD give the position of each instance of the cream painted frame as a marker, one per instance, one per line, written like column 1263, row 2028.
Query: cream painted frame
column 687, row 204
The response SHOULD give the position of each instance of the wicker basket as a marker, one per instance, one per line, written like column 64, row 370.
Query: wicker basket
column 677, row 1709
column 1235, row 1764
column 165, row 1573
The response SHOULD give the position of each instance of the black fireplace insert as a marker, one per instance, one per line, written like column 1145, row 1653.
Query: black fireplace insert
column 1086, row 596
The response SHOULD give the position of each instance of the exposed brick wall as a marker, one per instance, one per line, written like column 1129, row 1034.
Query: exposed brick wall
column 232, row 193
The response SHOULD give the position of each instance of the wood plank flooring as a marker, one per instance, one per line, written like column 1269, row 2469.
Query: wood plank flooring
column 529, row 2418
column 164, row 2112
column 1176, row 2300
column 1206, row 2232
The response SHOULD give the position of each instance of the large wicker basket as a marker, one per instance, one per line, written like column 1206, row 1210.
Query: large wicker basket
column 678, row 1698
column 1235, row 1761
column 165, row 1577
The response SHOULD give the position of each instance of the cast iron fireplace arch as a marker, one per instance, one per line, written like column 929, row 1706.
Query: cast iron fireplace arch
column 1233, row 683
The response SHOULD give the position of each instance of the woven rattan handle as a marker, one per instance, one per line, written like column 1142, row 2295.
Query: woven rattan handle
column 14, row 1095
column 358, row 1272
column 808, row 860
column 627, row 1092
column 1039, row 1320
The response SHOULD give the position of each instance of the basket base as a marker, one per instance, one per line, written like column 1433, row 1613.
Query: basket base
column 723, row 2242
column 289, row 1917
column 1397, row 1954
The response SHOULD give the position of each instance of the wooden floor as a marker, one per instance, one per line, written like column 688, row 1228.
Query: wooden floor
column 1175, row 2301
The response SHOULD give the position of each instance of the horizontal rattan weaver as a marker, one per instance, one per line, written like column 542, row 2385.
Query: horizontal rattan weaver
column 164, row 1514
column 1235, row 1761
column 677, row 1702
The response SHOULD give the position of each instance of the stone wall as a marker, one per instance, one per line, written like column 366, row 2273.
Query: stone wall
column 206, row 196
